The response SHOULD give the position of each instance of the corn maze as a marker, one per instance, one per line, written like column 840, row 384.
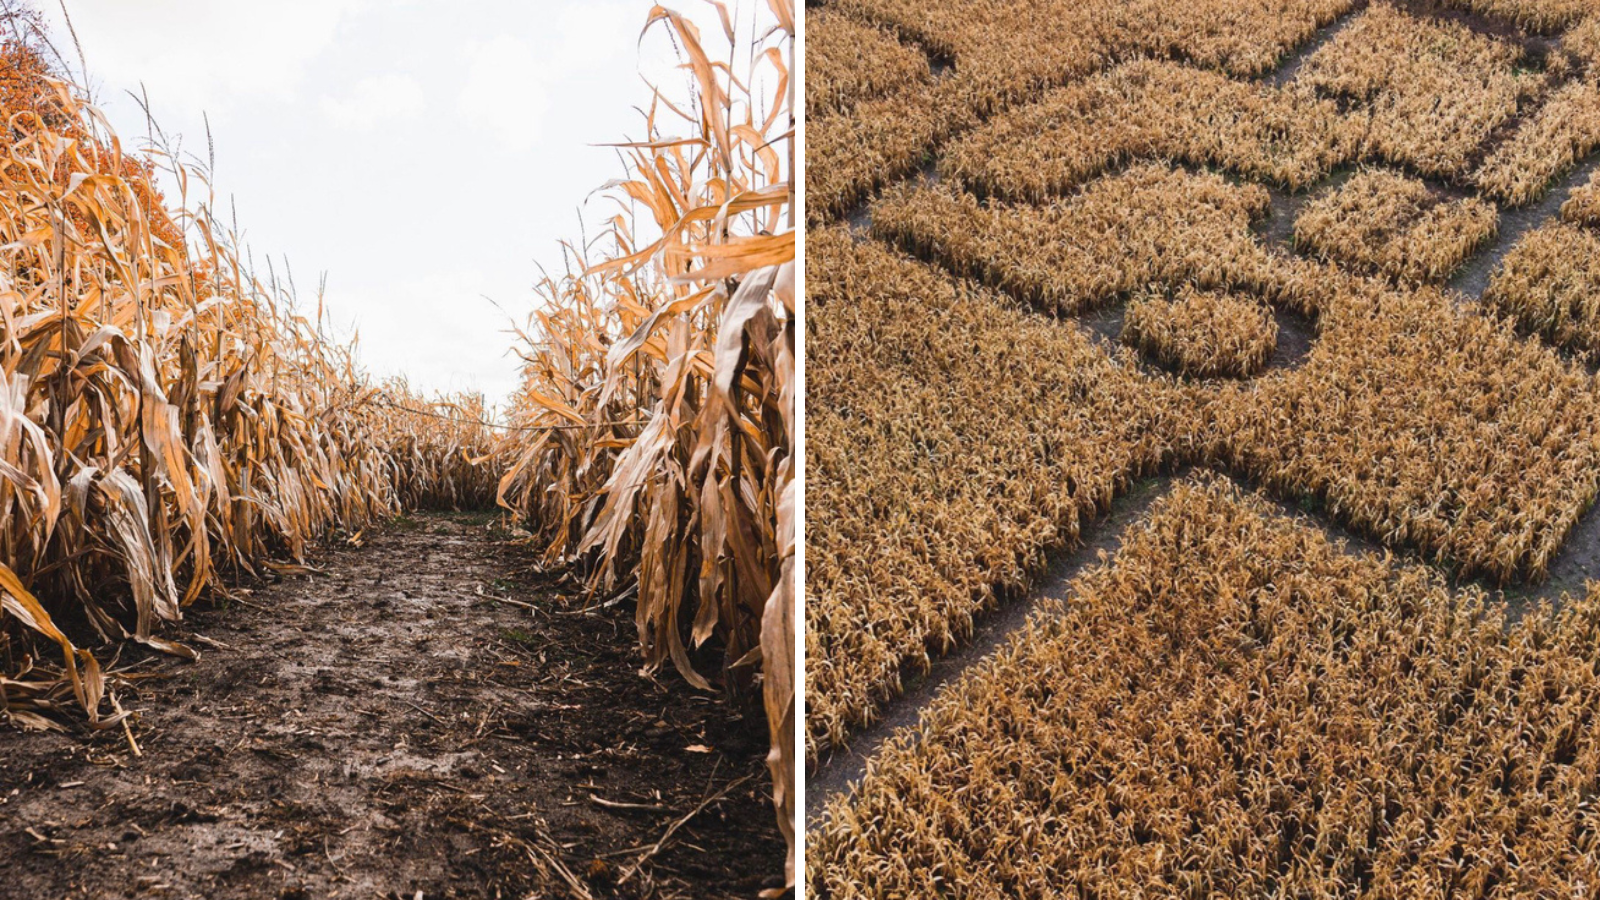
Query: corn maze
column 1204, row 446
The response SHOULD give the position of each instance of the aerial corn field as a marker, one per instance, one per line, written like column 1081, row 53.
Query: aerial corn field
column 1204, row 446
column 273, row 624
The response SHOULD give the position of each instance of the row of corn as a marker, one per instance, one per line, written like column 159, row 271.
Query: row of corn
column 652, row 440
column 1237, row 706
column 169, row 419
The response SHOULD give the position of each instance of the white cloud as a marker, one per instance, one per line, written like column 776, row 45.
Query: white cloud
column 435, row 329
column 504, row 85
column 375, row 99
column 228, row 50
column 505, row 91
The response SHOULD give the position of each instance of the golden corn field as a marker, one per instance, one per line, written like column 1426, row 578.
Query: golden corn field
column 1204, row 334
column 1204, row 446
column 1385, row 222
column 176, row 430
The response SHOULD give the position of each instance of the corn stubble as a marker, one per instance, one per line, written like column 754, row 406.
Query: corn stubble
column 1237, row 707
column 653, row 432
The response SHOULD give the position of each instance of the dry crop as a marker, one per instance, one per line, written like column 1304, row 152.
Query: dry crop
column 1583, row 204
column 1151, row 223
column 444, row 451
column 1002, row 49
column 1238, row 707
column 1150, row 109
column 1564, row 130
column 1203, row 334
column 1004, row 52
column 1428, row 92
column 873, row 110
column 848, row 155
column 965, row 438
column 1549, row 283
column 1387, row 222
column 1583, row 40
column 1546, row 16
column 167, row 422
column 850, row 61
column 1240, row 37
column 655, row 423
column 1426, row 426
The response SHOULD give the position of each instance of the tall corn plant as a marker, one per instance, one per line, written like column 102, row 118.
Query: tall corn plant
column 658, row 393
column 166, row 420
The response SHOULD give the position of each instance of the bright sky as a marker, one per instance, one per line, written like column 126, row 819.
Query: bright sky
column 423, row 154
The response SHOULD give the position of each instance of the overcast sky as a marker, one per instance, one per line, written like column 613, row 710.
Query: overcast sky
column 423, row 154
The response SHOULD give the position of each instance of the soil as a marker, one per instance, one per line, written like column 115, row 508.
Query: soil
column 425, row 717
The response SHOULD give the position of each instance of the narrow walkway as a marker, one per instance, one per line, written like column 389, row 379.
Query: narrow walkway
column 416, row 718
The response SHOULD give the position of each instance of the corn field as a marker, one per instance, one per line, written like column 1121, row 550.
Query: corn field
column 653, row 434
column 174, row 419
column 1203, row 450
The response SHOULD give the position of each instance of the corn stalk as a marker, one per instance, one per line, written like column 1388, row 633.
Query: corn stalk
column 663, row 374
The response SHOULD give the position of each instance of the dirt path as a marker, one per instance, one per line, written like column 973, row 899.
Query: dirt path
column 403, row 723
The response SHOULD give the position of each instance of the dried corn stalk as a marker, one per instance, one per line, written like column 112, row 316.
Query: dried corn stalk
column 1583, row 204
column 1151, row 109
column 1549, row 282
column 1234, row 706
column 1150, row 223
column 167, row 422
column 668, row 366
column 1203, row 334
column 1429, row 92
column 1562, row 131
column 928, row 498
column 1386, row 222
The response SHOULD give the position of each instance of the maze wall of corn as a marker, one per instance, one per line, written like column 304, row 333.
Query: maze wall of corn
column 1203, row 446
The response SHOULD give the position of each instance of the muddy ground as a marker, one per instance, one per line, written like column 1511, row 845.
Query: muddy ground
column 426, row 718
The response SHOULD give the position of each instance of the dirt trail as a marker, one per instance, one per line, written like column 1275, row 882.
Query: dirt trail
column 419, row 718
